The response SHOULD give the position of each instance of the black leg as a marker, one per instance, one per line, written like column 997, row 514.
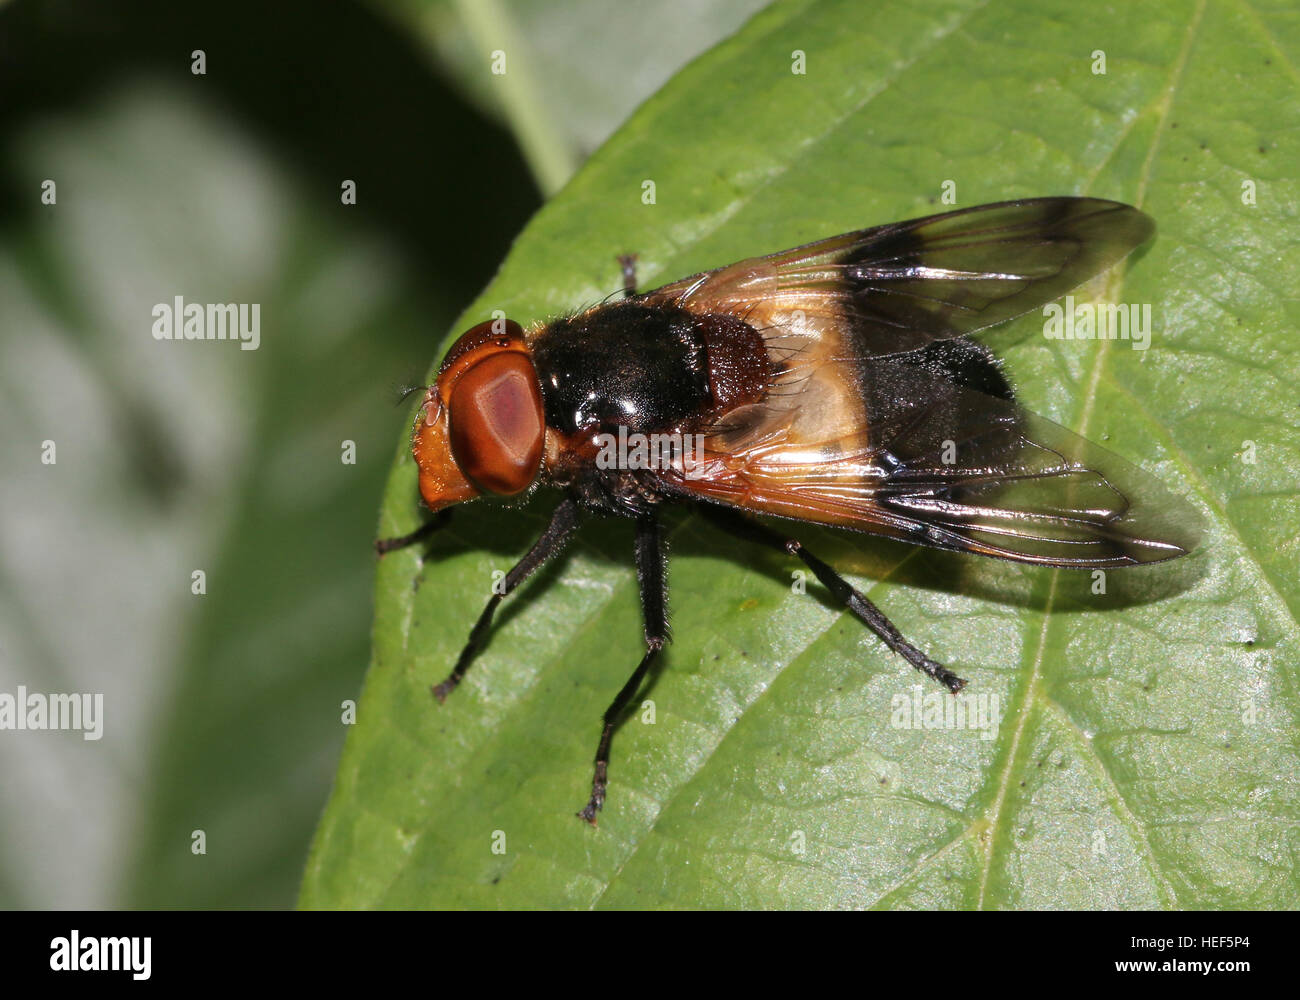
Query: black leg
column 385, row 545
column 866, row 612
column 552, row 540
column 627, row 261
column 651, row 573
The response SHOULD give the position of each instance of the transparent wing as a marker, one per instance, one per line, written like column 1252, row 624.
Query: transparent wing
column 896, row 287
column 922, row 453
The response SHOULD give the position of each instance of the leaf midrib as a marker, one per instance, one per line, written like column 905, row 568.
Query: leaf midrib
column 1033, row 694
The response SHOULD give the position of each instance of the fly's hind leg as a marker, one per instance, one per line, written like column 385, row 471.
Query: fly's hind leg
column 852, row 598
column 627, row 261
column 651, row 573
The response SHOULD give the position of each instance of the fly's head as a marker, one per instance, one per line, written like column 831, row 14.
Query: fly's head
column 481, row 426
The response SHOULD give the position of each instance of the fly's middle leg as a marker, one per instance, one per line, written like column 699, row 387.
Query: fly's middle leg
column 627, row 262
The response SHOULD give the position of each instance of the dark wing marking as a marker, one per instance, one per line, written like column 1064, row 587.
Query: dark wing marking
column 897, row 287
column 880, row 418
column 939, row 464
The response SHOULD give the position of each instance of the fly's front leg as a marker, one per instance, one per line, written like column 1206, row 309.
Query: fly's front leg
column 563, row 522
column 386, row 545
column 852, row 598
column 651, row 571
column 627, row 261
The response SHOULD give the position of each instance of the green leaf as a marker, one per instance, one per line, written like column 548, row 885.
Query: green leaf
column 1146, row 756
column 558, row 105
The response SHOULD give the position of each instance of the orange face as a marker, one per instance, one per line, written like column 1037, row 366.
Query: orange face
column 481, row 427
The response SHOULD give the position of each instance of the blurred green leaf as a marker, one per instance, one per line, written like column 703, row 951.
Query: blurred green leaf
column 573, row 69
column 1147, row 756
column 188, row 457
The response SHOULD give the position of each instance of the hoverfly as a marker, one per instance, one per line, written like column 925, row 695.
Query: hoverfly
column 832, row 383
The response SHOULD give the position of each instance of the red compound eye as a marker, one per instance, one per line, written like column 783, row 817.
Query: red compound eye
column 497, row 424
